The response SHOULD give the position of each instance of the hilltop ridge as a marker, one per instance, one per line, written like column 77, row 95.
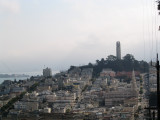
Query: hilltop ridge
column 127, row 63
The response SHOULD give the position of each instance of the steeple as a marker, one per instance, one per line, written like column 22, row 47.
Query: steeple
column 134, row 85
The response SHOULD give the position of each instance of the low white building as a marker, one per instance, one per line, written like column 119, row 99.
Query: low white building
column 47, row 110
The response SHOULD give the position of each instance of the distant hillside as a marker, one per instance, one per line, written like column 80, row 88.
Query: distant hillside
column 13, row 75
column 128, row 63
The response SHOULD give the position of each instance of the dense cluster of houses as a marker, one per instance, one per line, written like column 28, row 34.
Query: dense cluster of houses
column 75, row 91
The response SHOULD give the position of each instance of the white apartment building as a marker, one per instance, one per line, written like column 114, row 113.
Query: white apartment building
column 47, row 72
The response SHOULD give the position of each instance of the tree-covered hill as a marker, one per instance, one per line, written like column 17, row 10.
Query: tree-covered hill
column 128, row 63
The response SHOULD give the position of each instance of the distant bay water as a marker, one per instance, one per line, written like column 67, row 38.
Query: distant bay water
column 23, row 78
column 13, row 78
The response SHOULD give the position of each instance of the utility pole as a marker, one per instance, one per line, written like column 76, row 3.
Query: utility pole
column 158, row 87
column 158, row 93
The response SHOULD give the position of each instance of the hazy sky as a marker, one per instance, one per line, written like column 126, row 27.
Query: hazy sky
column 60, row 33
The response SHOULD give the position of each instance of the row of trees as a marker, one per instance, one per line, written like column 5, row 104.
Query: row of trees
column 5, row 109
column 127, row 63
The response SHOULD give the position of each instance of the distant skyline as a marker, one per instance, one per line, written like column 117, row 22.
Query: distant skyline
column 60, row 33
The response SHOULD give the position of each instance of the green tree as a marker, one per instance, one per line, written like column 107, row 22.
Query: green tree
column 141, row 91
column 97, row 61
column 68, row 111
column 90, row 65
column 129, row 57
column 111, row 58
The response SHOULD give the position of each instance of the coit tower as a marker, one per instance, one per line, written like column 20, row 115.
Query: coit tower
column 118, row 50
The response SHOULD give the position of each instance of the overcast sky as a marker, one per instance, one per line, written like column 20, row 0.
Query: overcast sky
column 60, row 33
